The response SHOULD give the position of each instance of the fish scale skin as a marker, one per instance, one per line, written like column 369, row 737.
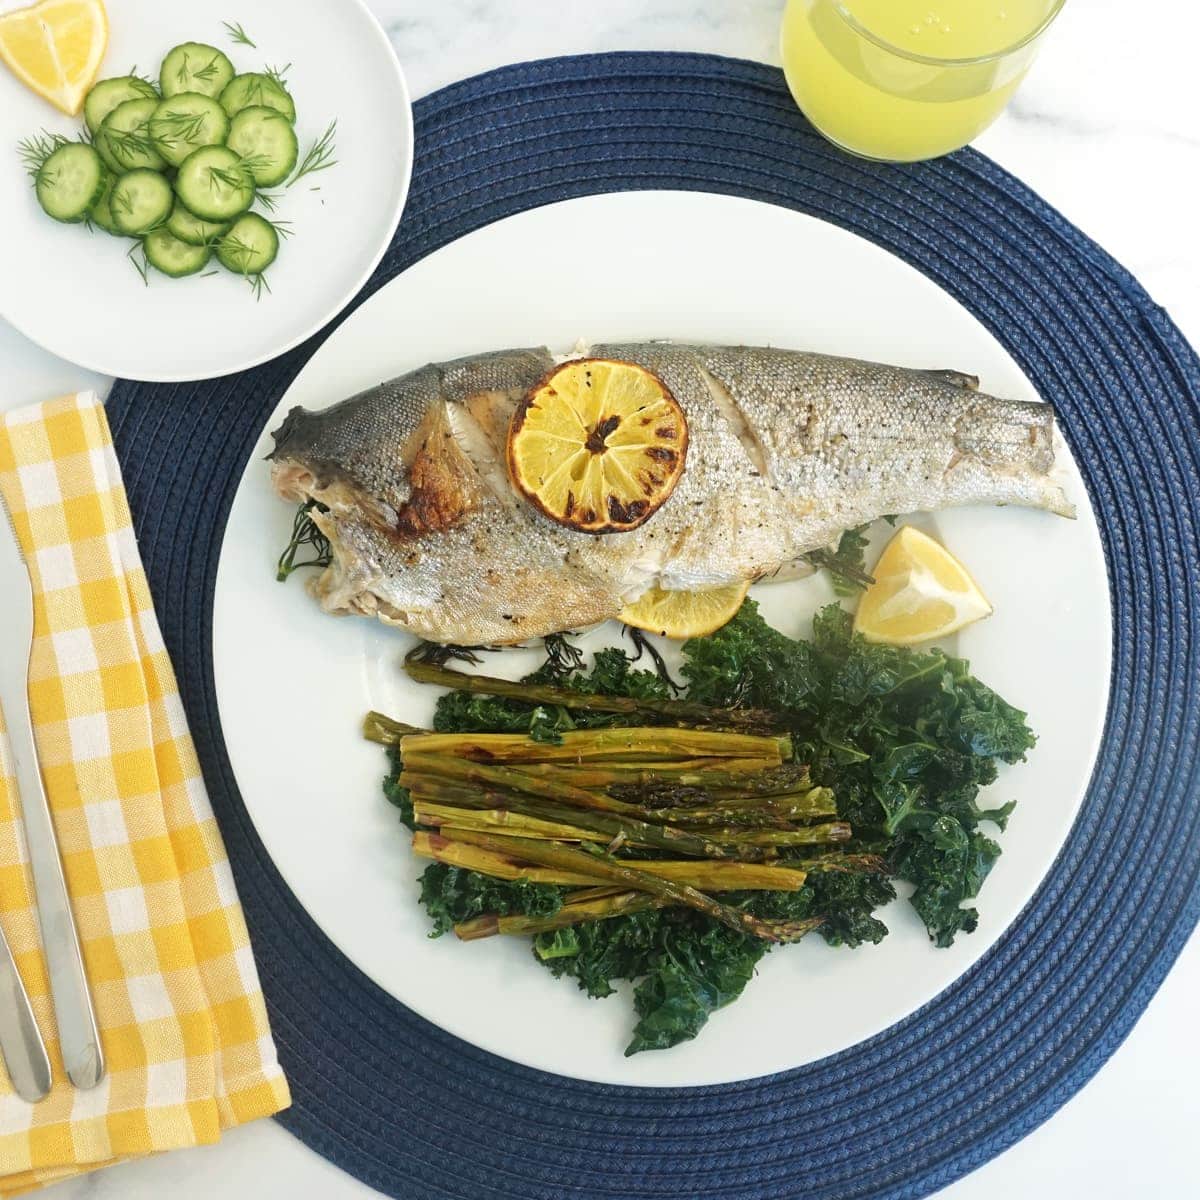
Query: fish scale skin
column 786, row 450
column 846, row 434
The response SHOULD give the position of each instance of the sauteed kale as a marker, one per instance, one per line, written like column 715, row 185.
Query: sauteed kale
column 902, row 739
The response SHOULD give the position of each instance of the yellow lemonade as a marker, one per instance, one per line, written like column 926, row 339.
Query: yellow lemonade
column 908, row 79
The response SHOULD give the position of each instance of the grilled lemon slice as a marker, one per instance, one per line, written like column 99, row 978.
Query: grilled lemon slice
column 921, row 592
column 598, row 445
column 685, row 614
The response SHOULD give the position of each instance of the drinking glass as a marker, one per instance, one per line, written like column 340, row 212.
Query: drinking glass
column 902, row 80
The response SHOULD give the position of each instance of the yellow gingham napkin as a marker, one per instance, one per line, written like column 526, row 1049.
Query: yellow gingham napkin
column 180, row 1010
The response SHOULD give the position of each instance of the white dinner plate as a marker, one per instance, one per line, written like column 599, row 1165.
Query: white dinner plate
column 293, row 683
column 76, row 293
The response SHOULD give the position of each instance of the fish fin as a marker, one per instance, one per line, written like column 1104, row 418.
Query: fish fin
column 445, row 485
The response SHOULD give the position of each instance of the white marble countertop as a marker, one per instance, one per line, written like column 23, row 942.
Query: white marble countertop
column 1103, row 129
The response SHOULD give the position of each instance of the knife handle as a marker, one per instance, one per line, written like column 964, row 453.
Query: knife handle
column 79, row 1037
column 21, row 1045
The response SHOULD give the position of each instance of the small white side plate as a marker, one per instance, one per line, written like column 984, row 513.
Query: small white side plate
column 293, row 683
column 75, row 293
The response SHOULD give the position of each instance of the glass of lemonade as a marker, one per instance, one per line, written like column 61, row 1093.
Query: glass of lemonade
column 902, row 80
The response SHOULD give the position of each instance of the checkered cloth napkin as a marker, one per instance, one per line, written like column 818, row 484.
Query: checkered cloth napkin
column 180, row 1010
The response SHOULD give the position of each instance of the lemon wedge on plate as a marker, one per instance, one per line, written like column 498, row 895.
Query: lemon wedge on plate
column 598, row 445
column 921, row 592
column 55, row 48
column 684, row 614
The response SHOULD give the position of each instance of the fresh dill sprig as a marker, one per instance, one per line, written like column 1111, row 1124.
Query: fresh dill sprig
column 173, row 127
column 563, row 657
column 305, row 533
column 254, row 92
column 438, row 654
column 208, row 274
column 206, row 72
column 126, row 144
column 237, row 254
column 270, row 200
column 255, row 162
column 143, row 267
column 320, row 155
column 237, row 250
column 645, row 646
column 235, row 178
column 237, row 34
column 33, row 151
column 258, row 284
column 187, row 72
column 283, row 229
column 278, row 75
column 133, row 73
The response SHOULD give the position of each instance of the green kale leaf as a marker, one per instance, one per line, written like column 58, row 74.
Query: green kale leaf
column 906, row 739
column 620, row 948
column 750, row 662
column 451, row 895
column 699, row 966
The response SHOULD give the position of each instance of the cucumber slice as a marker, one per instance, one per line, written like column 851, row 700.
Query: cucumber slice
column 140, row 201
column 214, row 184
column 258, row 90
column 70, row 181
column 185, row 122
column 266, row 141
column 188, row 227
column 250, row 246
column 101, row 214
column 108, row 93
column 124, row 140
column 194, row 67
column 166, row 253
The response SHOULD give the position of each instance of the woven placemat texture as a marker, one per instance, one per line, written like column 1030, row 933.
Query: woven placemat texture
column 419, row 1114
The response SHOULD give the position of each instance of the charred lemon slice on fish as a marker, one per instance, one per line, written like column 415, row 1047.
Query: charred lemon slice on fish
column 921, row 592
column 598, row 445
column 685, row 614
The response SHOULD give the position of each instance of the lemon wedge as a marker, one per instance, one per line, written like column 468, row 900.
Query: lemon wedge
column 55, row 48
column 598, row 445
column 921, row 592
column 684, row 614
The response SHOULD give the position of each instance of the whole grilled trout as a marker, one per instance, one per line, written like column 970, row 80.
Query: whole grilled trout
column 786, row 451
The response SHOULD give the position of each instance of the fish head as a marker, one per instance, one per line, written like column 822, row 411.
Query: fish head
column 359, row 453
column 408, row 481
column 385, row 472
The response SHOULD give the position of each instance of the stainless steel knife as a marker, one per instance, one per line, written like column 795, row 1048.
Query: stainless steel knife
column 21, row 1045
column 79, row 1037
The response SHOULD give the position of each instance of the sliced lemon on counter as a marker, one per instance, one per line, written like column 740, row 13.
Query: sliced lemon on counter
column 598, row 445
column 55, row 48
column 684, row 614
column 921, row 592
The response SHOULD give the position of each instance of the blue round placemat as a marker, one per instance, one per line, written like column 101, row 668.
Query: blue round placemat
column 418, row 1114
